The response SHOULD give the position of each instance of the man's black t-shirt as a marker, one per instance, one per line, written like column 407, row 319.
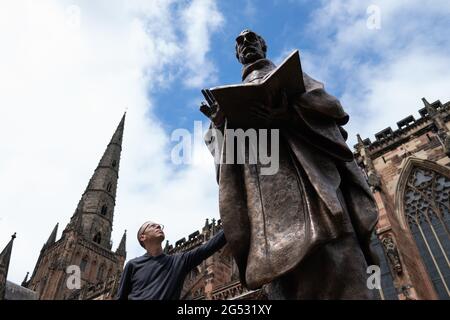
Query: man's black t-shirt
column 162, row 277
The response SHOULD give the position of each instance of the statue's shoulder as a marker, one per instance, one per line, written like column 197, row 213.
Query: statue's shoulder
column 311, row 83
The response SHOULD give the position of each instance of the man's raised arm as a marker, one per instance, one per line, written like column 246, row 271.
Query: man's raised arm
column 195, row 256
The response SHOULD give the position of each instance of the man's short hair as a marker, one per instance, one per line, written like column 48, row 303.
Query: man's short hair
column 141, row 229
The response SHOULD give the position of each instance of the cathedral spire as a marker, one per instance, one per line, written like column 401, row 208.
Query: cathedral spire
column 25, row 281
column 94, row 214
column 5, row 258
column 111, row 157
column 87, row 237
column 118, row 134
column 121, row 249
column 52, row 238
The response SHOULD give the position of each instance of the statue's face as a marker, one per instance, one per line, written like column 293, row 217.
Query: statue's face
column 248, row 47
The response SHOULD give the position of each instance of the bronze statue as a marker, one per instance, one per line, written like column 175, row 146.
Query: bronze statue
column 303, row 232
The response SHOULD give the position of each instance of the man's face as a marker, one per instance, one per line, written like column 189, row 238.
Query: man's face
column 152, row 231
column 248, row 47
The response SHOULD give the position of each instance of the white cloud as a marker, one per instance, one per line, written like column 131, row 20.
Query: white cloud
column 394, row 90
column 384, row 72
column 64, row 88
column 199, row 19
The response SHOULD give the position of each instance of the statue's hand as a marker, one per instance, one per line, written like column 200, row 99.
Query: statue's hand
column 211, row 109
column 213, row 112
column 217, row 116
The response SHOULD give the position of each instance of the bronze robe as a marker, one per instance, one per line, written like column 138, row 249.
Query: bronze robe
column 274, row 222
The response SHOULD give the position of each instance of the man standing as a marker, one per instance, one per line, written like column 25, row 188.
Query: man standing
column 305, row 230
column 157, row 276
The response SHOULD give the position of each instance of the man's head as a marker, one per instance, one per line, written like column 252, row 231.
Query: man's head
column 250, row 47
column 150, row 232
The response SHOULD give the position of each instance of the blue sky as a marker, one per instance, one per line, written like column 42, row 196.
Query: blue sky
column 69, row 69
column 319, row 28
column 281, row 23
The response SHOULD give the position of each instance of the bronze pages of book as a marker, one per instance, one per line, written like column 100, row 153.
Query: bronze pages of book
column 236, row 100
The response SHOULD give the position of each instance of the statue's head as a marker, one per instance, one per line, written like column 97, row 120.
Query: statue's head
column 250, row 47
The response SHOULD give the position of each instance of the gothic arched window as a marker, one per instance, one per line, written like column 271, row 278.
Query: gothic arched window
column 97, row 238
column 427, row 212
column 83, row 263
column 109, row 187
column 104, row 210
column 114, row 163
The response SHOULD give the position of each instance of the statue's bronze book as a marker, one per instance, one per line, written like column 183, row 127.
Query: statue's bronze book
column 236, row 100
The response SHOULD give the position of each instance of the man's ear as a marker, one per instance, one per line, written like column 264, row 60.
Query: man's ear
column 142, row 237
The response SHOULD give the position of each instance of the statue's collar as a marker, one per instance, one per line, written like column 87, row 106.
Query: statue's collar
column 258, row 64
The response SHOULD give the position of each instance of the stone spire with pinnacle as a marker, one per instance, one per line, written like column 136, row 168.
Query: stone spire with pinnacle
column 52, row 238
column 431, row 111
column 373, row 178
column 86, row 240
column 94, row 214
column 442, row 132
column 122, row 249
column 25, row 281
column 5, row 258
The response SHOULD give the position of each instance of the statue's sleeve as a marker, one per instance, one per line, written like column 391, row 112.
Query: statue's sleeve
column 318, row 117
column 214, row 140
